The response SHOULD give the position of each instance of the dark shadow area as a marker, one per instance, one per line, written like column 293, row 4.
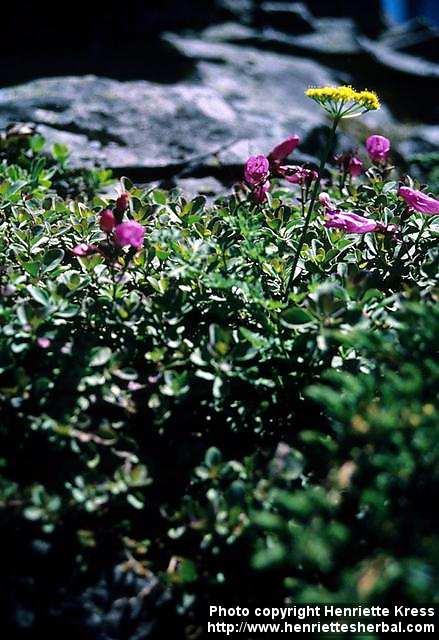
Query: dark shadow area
column 154, row 60
column 121, row 41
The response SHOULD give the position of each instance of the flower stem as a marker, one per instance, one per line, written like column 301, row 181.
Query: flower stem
column 323, row 160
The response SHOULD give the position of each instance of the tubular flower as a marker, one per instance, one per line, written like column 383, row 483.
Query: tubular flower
column 378, row 148
column 344, row 102
column 129, row 234
column 256, row 171
column 284, row 149
column 419, row 201
column 351, row 222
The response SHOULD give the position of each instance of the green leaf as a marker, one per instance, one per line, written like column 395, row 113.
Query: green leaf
column 134, row 502
column 52, row 259
column 213, row 457
column 32, row 268
column 268, row 558
column 160, row 197
column 33, row 513
column 187, row 571
column 39, row 295
column 294, row 316
column 60, row 152
column 37, row 143
column 100, row 356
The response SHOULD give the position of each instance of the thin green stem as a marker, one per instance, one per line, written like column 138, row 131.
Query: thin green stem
column 323, row 160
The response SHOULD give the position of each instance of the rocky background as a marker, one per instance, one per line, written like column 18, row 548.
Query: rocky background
column 188, row 90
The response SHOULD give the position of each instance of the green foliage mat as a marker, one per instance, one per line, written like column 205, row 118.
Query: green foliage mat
column 178, row 412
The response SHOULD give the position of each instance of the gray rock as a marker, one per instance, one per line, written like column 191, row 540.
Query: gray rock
column 416, row 37
column 400, row 63
column 420, row 139
column 267, row 91
column 124, row 123
column 240, row 10
column 243, row 101
column 376, row 64
column 291, row 17
column 330, row 38
column 208, row 186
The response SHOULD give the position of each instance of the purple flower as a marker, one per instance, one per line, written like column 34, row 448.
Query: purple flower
column 378, row 148
column 130, row 234
column 84, row 249
column 351, row 222
column 419, row 201
column 257, row 169
column 355, row 167
column 107, row 221
column 283, row 150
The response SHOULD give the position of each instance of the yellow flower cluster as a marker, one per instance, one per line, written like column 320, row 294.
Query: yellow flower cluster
column 344, row 102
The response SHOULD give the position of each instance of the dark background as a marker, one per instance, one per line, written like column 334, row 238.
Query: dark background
column 123, row 39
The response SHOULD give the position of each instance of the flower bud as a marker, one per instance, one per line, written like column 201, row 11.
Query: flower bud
column 355, row 167
column 284, row 149
column 107, row 221
column 326, row 201
column 122, row 203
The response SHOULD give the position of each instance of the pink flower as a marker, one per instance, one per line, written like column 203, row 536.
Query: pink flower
column 419, row 201
column 355, row 167
column 43, row 342
column 378, row 148
column 129, row 233
column 351, row 222
column 257, row 169
column 260, row 192
column 283, row 150
column 83, row 249
column 107, row 221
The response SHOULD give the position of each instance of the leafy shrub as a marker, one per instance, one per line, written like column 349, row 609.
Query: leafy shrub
column 205, row 412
